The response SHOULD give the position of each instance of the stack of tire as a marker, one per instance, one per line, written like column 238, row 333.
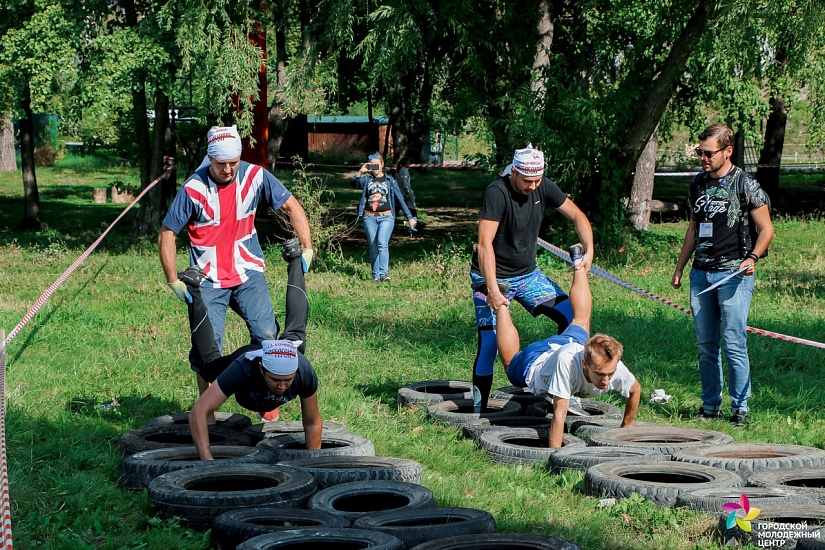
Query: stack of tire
column 513, row 429
column 709, row 472
column 670, row 466
column 277, row 491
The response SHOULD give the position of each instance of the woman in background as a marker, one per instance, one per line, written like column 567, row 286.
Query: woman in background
column 379, row 195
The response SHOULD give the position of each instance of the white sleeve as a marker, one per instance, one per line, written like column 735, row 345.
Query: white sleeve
column 622, row 380
column 558, row 369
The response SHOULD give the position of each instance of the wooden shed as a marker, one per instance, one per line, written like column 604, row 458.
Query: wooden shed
column 326, row 133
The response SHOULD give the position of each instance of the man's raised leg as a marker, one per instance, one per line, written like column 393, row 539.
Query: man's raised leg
column 507, row 338
column 297, row 305
column 581, row 299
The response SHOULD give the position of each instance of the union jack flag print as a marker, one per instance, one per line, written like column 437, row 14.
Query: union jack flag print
column 224, row 242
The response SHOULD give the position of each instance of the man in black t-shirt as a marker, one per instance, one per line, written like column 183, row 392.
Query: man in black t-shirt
column 504, row 263
column 721, row 197
column 261, row 377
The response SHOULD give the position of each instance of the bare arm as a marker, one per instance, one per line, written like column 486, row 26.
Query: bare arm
column 687, row 250
column 631, row 406
column 298, row 219
column 202, row 410
column 487, row 230
column 312, row 421
column 762, row 219
column 168, row 253
column 583, row 229
column 557, row 424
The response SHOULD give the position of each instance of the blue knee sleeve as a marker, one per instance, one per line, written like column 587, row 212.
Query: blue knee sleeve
column 487, row 351
column 565, row 309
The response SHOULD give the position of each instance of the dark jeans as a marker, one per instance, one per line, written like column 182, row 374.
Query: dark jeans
column 211, row 363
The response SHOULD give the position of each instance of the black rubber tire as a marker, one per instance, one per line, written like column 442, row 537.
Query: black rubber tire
column 360, row 498
column 809, row 480
column 817, row 543
column 599, row 410
column 259, row 432
column 584, row 429
column 174, row 435
column 233, row 421
column 137, row 470
column 420, row 525
column 323, row 539
column 430, row 392
column 522, row 445
column 236, row 526
column 460, row 411
column 582, row 458
column 747, row 458
column 332, row 470
column 293, row 446
column 711, row 500
column 522, row 396
column 199, row 495
column 498, row 541
column 764, row 529
column 474, row 429
column 658, row 481
column 665, row 439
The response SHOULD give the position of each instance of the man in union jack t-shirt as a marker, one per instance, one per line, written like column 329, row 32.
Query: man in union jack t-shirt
column 217, row 206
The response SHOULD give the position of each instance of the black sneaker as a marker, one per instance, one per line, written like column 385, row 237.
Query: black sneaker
column 385, row 278
column 575, row 408
column 192, row 276
column 740, row 418
column 707, row 415
column 292, row 250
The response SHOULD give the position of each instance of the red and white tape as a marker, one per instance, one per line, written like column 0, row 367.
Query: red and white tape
column 5, row 499
column 65, row 275
column 613, row 279
column 449, row 165
column 6, row 542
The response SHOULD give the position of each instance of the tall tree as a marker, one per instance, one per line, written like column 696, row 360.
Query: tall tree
column 37, row 61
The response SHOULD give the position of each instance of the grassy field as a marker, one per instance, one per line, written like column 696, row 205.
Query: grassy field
column 114, row 333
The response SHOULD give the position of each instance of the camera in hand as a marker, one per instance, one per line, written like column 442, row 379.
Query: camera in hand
column 373, row 166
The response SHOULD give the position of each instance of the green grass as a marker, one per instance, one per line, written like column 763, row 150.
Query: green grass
column 113, row 331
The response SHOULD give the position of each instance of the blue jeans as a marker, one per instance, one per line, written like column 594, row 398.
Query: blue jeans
column 722, row 314
column 379, row 230
column 250, row 300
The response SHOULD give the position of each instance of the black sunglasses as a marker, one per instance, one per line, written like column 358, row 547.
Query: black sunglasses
column 708, row 154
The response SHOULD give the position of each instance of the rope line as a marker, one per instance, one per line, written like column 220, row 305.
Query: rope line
column 54, row 286
column 613, row 279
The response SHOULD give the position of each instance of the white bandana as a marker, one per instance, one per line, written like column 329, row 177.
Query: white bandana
column 528, row 161
column 223, row 143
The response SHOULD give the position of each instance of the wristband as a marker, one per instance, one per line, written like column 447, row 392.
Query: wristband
column 753, row 257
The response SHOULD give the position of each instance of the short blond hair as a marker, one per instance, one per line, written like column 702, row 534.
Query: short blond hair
column 602, row 349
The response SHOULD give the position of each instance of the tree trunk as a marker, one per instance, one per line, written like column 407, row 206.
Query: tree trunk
column 545, row 41
column 278, row 123
column 738, row 156
column 31, row 197
column 770, row 159
column 8, row 162
column 642, row 192
column 150, row 213
column 663, row 86
column 141, row 122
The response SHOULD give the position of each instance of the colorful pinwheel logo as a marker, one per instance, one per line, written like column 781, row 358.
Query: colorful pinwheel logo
column 743, row 508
